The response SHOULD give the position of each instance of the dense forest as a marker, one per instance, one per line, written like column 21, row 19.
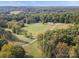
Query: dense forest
column 26, row 30
column 60, row 43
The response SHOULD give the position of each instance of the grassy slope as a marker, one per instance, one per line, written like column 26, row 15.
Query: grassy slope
column 34, row 49
column 23, row 38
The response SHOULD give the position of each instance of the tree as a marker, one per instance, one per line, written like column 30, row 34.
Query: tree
column 3, row 23
column 72, row 52
column 16, row 29
column 18, row 52
column 12, row 51
column 62, row 50
column 43, row 18
column 30, row 35
column 2, row 43
column 41, row 42
column 11, row 24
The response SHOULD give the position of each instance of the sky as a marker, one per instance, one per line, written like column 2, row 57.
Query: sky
column 39, row 3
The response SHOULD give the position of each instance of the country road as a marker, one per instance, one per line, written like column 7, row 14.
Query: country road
column 24, row 45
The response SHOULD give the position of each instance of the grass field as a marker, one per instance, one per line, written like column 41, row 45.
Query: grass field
column 41, row 28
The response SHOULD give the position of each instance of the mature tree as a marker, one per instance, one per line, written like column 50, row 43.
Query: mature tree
column 62, row 50
column 12, row 51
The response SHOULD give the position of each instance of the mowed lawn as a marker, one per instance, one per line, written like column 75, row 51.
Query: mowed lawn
column 37, row 28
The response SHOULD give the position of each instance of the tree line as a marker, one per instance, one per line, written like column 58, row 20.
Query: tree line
column 66, row 17
column 54, row 18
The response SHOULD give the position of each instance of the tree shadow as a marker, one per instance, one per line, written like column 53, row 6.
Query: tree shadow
column 28, row 56
column 14, row 38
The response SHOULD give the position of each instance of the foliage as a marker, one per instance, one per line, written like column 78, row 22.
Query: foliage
column 12, row 51
column 2, row 43
column 56, row 43
column 62, row 50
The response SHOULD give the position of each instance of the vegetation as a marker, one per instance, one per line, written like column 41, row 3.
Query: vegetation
column 9, row 51
column 39, row 32
column 57, row 43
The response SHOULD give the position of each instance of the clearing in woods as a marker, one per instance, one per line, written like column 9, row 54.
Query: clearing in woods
column 37, row 28
column 33, row 49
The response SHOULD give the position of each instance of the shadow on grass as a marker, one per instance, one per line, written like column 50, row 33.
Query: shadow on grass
column 28, row 56
column 14, row 38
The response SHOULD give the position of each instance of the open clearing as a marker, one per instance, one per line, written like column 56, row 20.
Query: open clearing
column 37, row 28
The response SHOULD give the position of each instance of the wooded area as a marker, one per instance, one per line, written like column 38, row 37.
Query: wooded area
column 39, row 32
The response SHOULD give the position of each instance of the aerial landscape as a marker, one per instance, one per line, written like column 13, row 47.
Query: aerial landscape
column 37, row 31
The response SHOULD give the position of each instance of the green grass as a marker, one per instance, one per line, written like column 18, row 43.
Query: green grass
column 41, row 28
column 36, row 28
column 34, row 50
column 23, row 38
